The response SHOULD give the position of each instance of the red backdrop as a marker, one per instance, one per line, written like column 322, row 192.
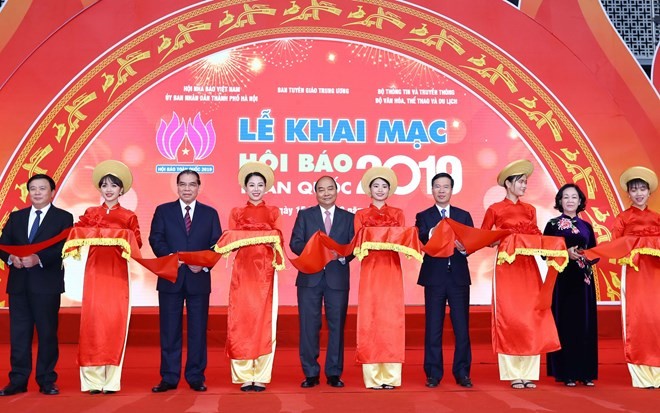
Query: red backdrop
column 313, row 88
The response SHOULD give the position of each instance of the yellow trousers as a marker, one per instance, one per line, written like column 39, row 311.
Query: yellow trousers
column 519, row 367
column 377, row 374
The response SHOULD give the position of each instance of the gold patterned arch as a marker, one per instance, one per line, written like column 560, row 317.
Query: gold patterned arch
column 67, row 127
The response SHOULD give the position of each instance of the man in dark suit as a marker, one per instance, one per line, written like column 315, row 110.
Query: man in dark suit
column 184, row 225
column 445, row 280
column 329, row 287
column 34, row 286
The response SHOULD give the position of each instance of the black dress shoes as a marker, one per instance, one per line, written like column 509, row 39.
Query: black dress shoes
column 49, row 389
column 464, row 382
column 162, row 387
column 95, row 391
column 12, row 389
column 432, row 382
column 335, row 381
column 198, row 386
column 310, row 382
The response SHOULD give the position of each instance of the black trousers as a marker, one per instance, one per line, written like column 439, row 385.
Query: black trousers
column 27, row 311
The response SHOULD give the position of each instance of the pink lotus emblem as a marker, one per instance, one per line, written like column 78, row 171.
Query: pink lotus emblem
column 183, row 141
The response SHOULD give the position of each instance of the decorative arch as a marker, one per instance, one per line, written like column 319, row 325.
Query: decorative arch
column 108, row 84
column 69, row 123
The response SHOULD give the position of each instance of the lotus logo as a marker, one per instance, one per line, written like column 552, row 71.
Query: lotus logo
column 185, row 142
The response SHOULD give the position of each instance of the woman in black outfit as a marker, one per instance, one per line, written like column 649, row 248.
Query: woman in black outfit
column 574, row 296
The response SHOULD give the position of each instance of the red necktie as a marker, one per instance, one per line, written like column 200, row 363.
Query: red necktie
column 187, row 220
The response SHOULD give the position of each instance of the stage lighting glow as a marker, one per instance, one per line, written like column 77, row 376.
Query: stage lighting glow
column 284, row 52
column 256, row 65
column 227, row 68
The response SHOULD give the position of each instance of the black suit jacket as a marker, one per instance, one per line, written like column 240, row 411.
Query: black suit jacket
column 309, row 221
column 434, row 270
column 48, row 279
column 168, row 235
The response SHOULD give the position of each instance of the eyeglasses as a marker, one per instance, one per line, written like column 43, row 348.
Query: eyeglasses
column 192, row 185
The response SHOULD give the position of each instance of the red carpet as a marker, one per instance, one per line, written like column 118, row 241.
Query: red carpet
column 613, row 392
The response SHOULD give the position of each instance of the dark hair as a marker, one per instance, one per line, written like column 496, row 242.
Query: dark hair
column 250, row 175
column 324, row 176
column 636, row 182
column 112, row 179
column 514, row 178
column 188, row 172
column 42, row 176
column 560, row 194
column 379, row 177
column 442, row 175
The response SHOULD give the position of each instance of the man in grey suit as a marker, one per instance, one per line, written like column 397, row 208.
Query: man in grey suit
column 329, row 286
column 445, row 280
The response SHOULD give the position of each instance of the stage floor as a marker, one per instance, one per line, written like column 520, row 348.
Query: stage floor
column 613, row 392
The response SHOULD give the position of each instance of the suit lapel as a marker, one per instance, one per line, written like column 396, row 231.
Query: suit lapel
column 176, row 210
column 196, row 219
column 24, row 222
column 435, row 215
column 316, row 218
column 336, row 221
column 455, row 214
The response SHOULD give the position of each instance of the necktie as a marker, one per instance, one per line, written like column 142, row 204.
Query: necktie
column 35, row 227
column 443, row 215
column 327, row 222
column 187, row 220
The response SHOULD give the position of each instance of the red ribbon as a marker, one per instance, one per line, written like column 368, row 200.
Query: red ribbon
column 29, row 249
column 442, row 242
column 321, row 249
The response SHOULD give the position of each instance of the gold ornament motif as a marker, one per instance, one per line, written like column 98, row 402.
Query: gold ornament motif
column 613, row 289
column 377, row 19
column 24, row 191
column 571, row 156
column 4, row 220
column 495, row 74
column 529, row 103
column 311, row 12
column 601, row 217
column 37, row 157
column 183, row 38
column 438, row 40
column 543, row 119
column 601, row 232
column 247, row 17
column 580, row 174
column 61, row 130
column 75, row 115
column 125, row 70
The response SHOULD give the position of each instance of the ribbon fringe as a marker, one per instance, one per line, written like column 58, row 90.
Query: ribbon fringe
column 630, row 259
column 504, row 256
column 272, row 240
column 72, row 247
column 362, row 250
